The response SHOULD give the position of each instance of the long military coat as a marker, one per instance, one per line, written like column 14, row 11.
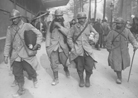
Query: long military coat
column 56, row 40
column 119, row 57
column 16, row 44
column 82, row 43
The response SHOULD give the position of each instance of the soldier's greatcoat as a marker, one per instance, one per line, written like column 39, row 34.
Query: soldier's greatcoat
column 55, row 40
column 119, row 57
column 18, row 50
column 82, row 43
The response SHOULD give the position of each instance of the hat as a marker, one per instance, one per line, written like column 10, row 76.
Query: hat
column 14, row 14
column 120, row 20
column 81, row 15
column 58, row 12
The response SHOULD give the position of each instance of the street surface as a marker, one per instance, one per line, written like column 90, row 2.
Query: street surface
column 103, row 81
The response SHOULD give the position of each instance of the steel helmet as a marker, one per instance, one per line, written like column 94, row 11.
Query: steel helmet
column 14, row 14
column 58, row 12
column 81, row 15
column 119, row 20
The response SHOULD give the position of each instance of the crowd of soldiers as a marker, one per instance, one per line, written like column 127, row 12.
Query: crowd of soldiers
column 66, row 41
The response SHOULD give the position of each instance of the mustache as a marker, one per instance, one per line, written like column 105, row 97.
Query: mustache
column 59, row 19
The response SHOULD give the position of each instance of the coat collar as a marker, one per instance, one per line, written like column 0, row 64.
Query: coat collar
column 20, row 24
column 80, row 26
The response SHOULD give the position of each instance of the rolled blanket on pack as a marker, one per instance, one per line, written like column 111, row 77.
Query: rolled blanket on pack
column 30, row 39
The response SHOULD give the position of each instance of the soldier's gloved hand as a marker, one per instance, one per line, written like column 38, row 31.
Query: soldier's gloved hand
column 37, row 47
column 6, row 59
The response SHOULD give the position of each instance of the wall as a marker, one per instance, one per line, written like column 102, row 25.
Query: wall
column 7, row 5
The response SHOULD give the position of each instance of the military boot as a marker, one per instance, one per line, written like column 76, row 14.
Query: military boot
column 55, row 80
column 35, row 83
column 119, row 77
column 87, row 79
column 81, row 83
column 21, row 90
column 67, row 71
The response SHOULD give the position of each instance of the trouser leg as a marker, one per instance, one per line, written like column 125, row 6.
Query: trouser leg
column 89, row 64
column 63, row 60
column 54, row 65
column 101, row 41
column 97, row 45
column 18, row 74
column 30, row 71
column 54, row 61
column 104, row 41
column 119, row 77
column 80, row 69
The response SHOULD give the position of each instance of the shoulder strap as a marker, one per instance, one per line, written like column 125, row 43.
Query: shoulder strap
column 14, row 37
column 25, row 47
column 119, row 33
column 80, row 33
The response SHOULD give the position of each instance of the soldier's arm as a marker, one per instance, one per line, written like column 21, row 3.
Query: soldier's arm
column 109, row 40
column 70, row 37
column 132, row 39
column 36, row 31
column 64, row 29
column 7, row 47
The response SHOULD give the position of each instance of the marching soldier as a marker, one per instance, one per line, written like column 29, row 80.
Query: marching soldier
column 81, row 50
column 15, row 50
column 56, row 44
column 117, row 45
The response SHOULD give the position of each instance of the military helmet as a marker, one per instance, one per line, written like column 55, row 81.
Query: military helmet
column 58, row 12
column 14, row 14
column 81, row 15
column 119, row 20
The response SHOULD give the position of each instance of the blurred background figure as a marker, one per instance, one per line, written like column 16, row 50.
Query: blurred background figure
column 106, row 30
column 98, row 27
column 134, row 27
column 40, row 22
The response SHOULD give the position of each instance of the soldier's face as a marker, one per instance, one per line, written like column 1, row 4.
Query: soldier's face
column 119, row 25
column 59, row 18
column 15, row 21
column 82, row 20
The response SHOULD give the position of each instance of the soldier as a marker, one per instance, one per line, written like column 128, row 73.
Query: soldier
column 81, row 50
column 117, row 45
column 106, row 29
column 98, row 27
column 56, row 44
column 134, row 28
column 16, row 52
